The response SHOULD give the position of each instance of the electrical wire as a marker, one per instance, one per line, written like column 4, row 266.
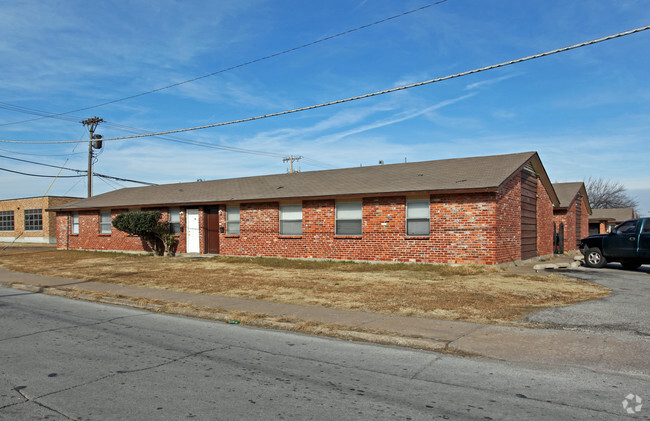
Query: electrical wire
column 112, row 186
column 123, row 179
column 169, row 138
column 364, row 96
column 40, row 175
column 73, row 186
column 270, row 56
column 40, row 163
column 41, row 154
column 71, row 169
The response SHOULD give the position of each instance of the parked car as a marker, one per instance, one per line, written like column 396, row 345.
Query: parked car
column 628, row 243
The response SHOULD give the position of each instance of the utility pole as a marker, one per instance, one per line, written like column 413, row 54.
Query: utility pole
column 92, row 124
column 290, row 159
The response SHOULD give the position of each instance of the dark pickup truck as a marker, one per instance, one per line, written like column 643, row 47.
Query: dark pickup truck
column 628, row 244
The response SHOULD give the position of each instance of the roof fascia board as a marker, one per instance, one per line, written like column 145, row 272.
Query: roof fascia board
column 280, row 199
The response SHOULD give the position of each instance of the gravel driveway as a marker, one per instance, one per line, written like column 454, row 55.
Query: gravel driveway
column 628, row 308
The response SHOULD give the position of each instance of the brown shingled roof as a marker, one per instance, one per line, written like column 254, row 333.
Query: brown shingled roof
column 484, row 173
column 567, row 192
column 614, row 215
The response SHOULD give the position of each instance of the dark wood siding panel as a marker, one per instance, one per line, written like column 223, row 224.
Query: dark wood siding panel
column 528, row 215
column 578, row 219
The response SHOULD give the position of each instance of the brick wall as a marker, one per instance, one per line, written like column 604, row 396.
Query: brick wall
column 461, row 232
column 89, row 237
column 568, row 217
column 481, row 228
column 508, row 220
column 18, row 206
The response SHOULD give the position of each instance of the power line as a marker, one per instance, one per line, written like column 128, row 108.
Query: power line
column 124, row 179
column 40, row 163
column 82, row 173
column 111, row 185
column 34, row 111
column 40, row 175
column 270, row 56
column 41, row 154
column 364, row 96
column 169, row 138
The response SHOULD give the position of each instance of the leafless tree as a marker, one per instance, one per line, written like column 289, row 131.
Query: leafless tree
column 608, row 194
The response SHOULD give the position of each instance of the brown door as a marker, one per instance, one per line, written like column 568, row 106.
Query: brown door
column 212, row 230
column 528, row 215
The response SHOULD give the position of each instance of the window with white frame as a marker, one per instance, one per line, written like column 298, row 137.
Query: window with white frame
column 291, row 219
column 174, row 220
column 7, row 221
column 232, row 220
column 349, row 218
column 33, row 220
column 75, row 223
column 418, row 219
column 105, row 222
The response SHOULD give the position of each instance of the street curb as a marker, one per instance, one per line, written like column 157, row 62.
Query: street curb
column 333, row 331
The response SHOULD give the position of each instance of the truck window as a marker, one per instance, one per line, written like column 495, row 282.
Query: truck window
column 628, row 227
column 646, row 226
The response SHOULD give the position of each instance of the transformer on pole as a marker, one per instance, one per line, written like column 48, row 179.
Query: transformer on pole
column 95, row 142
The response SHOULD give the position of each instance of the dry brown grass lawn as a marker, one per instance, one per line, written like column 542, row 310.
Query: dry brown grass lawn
column 468, row 293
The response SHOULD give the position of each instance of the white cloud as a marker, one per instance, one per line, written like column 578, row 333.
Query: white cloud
column 487, row 82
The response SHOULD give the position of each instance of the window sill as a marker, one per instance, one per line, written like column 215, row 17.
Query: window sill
column 232, row 235
column 289, row 237
column 417, row 237
column 104, row 235
column 348, row 237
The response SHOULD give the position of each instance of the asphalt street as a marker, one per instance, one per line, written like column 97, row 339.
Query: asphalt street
column 627, row 309
column 66, row 359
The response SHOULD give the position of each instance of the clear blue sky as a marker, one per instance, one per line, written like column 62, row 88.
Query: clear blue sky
column 585, row 111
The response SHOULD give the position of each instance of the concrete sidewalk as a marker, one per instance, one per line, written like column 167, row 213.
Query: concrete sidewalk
column 609, row 351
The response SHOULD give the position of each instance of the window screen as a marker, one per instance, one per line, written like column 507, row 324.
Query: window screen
column 290, row 219
column 75, row 223
column 232, row 220
column 105, row 222
column 174, row 220
column 417, row 217
column 349, row 217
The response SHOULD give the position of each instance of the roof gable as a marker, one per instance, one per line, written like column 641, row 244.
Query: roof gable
column 568, row 193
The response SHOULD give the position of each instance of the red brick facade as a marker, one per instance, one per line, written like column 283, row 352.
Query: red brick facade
column 481, row 228
column 544, row 225
column 567, row 218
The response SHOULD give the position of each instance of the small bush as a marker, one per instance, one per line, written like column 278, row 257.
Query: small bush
column 147, row 225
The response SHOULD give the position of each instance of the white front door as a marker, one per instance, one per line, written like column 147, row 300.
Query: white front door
column 192, row 225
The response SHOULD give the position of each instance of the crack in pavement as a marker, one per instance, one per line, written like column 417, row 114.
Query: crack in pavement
column 27, row 399
column 137, row 370
column 58, row 329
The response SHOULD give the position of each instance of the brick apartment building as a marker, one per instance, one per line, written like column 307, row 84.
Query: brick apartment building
column 571, row 217
column 27, row 221
column 484, row 210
